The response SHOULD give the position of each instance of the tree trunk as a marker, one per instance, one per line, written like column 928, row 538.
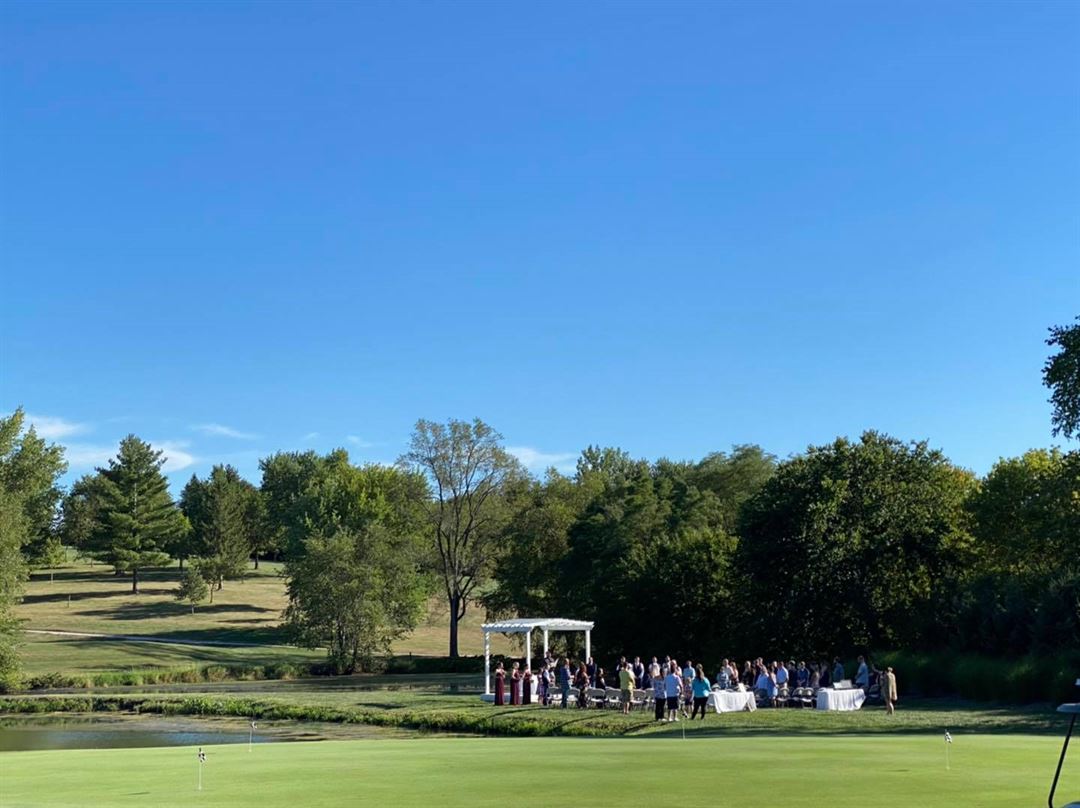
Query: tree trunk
column 193, row 608
column 181, row 563
column 454, row 601
column 135, row 581
column 211, row 594
column 256, row 560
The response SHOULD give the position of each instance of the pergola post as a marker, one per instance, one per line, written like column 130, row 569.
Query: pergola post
column 528, row 650
column 487, row 663
column 545, row 642
column 588, row 644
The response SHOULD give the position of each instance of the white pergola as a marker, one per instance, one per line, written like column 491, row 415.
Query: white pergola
column 526, row 626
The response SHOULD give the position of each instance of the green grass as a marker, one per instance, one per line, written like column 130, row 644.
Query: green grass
column 848, row 772
column 77, row 657
column 90, row 599
column 424, row 702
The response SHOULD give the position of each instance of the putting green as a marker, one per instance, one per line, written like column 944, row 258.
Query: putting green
column 986, row 771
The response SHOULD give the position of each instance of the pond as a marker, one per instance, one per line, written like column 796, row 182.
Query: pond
column 86, row 731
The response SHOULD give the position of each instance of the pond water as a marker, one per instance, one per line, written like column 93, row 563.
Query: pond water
column 85, row 731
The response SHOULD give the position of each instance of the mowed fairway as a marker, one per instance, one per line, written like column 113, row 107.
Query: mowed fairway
column 851, row 771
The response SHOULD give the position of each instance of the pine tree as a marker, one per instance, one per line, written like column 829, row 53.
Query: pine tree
column 138, row 519
column 193, row 588
column 220, row 514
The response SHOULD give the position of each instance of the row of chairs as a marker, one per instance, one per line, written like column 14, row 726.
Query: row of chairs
column 612, row 697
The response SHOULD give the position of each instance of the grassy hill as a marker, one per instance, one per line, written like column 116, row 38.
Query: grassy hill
column 84, row 598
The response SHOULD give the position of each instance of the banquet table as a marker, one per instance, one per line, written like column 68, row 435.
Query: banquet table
column 732, row 701
column 844, row 700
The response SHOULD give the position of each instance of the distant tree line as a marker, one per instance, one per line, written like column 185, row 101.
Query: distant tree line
column 868, row 543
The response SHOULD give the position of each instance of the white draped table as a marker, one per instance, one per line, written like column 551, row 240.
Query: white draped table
column 732, row 701
column 845, row 700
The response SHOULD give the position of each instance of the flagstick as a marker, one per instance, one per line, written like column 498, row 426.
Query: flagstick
column 200, row 777
column 946, row 756
column 251, row 731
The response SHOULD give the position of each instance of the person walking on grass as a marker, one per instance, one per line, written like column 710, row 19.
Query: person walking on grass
column 701, row 689
column 888, row 690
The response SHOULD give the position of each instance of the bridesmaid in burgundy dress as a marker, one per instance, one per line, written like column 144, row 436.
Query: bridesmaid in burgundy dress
column 526, row 687
column 500, row 685
column 515, row 685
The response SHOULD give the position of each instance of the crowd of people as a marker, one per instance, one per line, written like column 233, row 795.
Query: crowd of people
column 683, row 690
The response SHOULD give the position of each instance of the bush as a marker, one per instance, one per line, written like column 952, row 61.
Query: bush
column 1015, row 680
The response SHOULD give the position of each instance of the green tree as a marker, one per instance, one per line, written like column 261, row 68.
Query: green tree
column 1061, row 374
column 852, row 545
column 468, row 469
column 79, row 512
column 33, row 468
column 14, row 528
column 219, row 512
column 353, row 593
column 1027, row 514
column 193, row 588
column 138, row 519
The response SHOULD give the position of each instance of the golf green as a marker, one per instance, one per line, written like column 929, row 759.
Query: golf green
column 910, row 770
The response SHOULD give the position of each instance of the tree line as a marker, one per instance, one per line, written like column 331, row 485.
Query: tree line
column 856, row 544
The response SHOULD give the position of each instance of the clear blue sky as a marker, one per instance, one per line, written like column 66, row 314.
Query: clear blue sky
column 667, row 227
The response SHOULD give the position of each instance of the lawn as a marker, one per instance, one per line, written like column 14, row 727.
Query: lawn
column 839, row 772
column 82, row 598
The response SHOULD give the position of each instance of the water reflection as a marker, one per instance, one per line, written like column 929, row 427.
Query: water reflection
column 84, row 731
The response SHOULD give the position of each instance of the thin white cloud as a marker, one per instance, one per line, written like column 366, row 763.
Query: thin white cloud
column 176, row 455
column 87, row 456
column 51, row 428
column 222, row 431
column 359, row 442
column 536, row 460
column 311, row 436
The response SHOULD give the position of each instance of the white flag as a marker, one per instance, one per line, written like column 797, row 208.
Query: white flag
column 253, row 726
column 202, row 755
column 948, row 737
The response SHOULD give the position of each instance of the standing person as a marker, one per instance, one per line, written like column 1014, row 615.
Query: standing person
column 837, row 671
column 814, row 682
column 723, row 677
column 590, row 670
column 639, row 673
column 862, row 676
column 747, row 677
column 500, row 685
column 701, row 690
column 888, row 690
column 526, row 686
column 658, row 688
column 626, row 687
column 543, row 685
column 782, row 678
column 802, row 675
column 673, row 689
column 770, row 683
column 515, row 685
column 581, row 682
column 564, row 681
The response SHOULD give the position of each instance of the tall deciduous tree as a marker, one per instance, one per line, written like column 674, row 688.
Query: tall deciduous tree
column 33, row 468
column 852, row 545
column 79, row 512
column 353, row 593
column 468, row 470
column 138, row 519
column 1061, row 374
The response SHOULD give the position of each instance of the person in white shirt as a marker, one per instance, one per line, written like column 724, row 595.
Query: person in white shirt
column 673, row 688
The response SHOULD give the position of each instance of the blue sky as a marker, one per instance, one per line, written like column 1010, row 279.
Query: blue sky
column 233, row 228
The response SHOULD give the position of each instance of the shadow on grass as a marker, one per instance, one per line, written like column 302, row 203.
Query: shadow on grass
column 146, row 611
column 75, row 597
